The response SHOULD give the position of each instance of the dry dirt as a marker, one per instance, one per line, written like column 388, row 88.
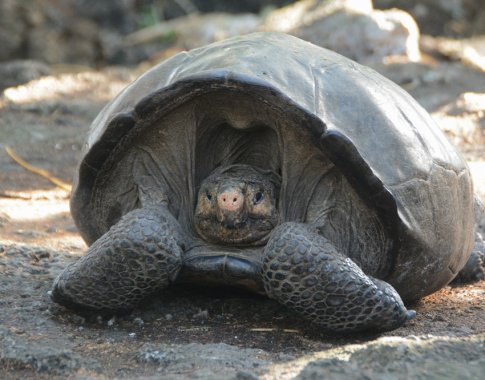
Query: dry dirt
column 199, row 333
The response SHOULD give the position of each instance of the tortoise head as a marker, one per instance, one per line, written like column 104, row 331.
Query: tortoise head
column 237, row 205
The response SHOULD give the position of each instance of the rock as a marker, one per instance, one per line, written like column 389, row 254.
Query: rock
column 350, row 28
column 307, row 12
column 19, row 353
column 211, row 360
column 201, row 315
column 463, row 119
column 399, row 358
column 468, row 102
column 12, row 29
column 470, row 51
column 442, row 17
column 177, row 8
column 4, row 219
column 367, row 38
column 109, row 14
column 48, row 30
column 245, row 375
column 196, row 30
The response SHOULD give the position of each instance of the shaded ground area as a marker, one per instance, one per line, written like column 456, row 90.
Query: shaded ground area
column 197, row 333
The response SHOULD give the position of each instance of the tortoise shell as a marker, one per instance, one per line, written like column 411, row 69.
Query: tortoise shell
column 278, row 102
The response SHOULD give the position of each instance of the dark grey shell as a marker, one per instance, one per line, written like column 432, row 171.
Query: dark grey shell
column 385, row 144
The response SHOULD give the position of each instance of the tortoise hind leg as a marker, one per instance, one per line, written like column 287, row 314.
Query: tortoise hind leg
column 136, row 257
column 304, row 271
column 474, row 269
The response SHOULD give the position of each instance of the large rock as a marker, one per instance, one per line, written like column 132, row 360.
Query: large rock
column 351, row 28
column 12, row 29
column 205, row 361
column 13, row 73
column 453, row 18
column 194, row 30
column 18, row 353
column 463, row 119
column 403, row 358
column 47, row 31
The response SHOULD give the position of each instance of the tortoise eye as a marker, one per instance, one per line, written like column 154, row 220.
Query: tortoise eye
column 258, row 197
column 208, row 195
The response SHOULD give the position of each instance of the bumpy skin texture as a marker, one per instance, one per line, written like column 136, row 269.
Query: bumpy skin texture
column 136, row 257
column 304, row 271
column 474, row 270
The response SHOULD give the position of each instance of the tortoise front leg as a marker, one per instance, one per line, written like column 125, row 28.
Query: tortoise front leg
column 304, row 271
column 138, row 256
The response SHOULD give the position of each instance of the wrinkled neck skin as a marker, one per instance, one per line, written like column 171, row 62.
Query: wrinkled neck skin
column 237, row 206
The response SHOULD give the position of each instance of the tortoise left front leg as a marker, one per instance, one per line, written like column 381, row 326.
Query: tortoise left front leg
column 305, row 271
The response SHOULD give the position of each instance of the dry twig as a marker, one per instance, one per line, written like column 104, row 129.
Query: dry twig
column 41, row 172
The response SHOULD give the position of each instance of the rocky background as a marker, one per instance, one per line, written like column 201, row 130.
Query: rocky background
column 61, row 61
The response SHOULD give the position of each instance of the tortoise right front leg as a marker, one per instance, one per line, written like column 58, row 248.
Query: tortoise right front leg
column 138, row 256
column 305, row 272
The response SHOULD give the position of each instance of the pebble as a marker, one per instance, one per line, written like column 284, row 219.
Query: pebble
column 28, row 233
column 138, row 321
column 51, row 230
column 245, row 375
column 202, row 315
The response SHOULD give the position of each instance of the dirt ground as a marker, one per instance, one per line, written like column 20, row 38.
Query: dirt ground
column 188, row 333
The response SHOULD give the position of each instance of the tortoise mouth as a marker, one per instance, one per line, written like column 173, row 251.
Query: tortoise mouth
column 230, row 225
column 252, row 231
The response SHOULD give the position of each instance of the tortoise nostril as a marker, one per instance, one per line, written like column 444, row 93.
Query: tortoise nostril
column 231, row 199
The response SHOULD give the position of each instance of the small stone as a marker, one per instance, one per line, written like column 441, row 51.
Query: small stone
column 201, row 315
column 30, row 234
column 51, row 229
column 168, row 317
column 245, row 375
column 138, row 321
column 71, row 228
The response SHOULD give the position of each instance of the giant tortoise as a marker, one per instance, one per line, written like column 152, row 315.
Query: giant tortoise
column 272, row 164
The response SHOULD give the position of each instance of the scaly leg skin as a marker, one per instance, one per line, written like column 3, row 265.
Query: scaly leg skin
column 138, row 256
column 305, row 272
column 474, row 269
